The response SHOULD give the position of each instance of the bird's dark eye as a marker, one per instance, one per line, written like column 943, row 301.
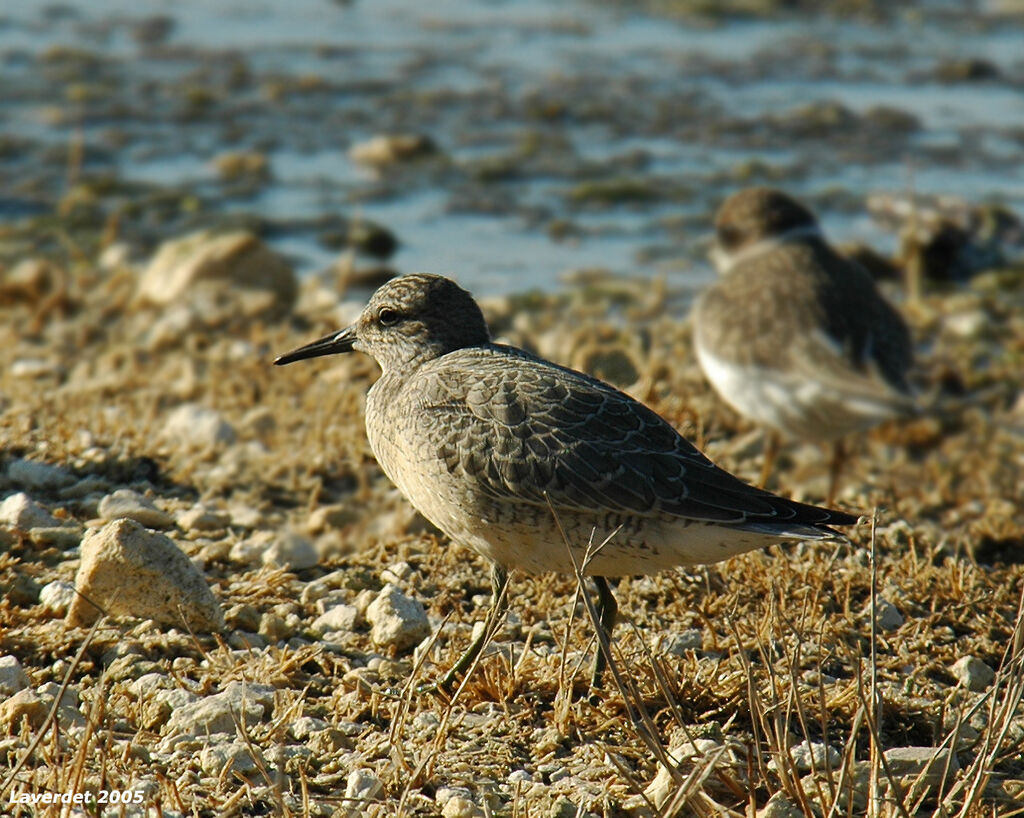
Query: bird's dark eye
column 388, row 317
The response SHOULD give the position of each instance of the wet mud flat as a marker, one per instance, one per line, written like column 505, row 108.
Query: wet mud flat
column 748, row 682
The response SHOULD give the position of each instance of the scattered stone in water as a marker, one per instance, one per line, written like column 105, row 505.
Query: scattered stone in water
column 238, row 165
column 968, row 69
column 972, row 673
column 165, row 584
column 128, row 504
column 397, row 620
column 21, row 513
column 390, row 149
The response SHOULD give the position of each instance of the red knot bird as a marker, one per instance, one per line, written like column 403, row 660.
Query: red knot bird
column 794, row 336
column 504, row 451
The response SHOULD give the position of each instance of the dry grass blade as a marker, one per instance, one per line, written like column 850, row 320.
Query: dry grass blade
column 51, row 716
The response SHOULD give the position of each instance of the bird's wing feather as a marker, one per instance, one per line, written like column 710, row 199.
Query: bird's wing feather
column 524, row 430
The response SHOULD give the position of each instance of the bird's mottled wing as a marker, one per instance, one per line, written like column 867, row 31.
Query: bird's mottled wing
column 523, row 430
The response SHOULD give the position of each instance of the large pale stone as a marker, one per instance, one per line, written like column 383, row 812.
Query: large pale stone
column 213, row 271
column 130, row 571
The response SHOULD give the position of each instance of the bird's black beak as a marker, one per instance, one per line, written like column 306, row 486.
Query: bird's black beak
column 341, row 341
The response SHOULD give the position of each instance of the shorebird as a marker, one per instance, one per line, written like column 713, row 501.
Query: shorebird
column 793, row 335
column 524, row 461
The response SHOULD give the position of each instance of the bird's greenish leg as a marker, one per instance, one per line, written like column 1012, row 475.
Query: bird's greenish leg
column 499, row 604
column 607, row 610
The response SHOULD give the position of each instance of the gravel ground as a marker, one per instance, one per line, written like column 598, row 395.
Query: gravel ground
column 153, row 458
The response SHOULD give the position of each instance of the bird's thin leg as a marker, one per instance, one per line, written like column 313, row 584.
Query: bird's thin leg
column 771, row 449
column 608, row 610
column 834, row 470
column 499, row 604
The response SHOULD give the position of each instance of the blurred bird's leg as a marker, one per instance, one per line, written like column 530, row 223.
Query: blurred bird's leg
column 608, row 610
column 835, row 468
column 499, row 604
column 771, row 449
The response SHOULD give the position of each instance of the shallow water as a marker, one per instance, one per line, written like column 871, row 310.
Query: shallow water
column 558, row 96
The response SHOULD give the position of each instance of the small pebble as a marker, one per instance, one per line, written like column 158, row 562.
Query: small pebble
column 31, row 474
column 198, row 426
column 21, row 513
column 56, row 597
column 397, row 620
column 291, row 551
column 972, row 673
column 130, row 505
column 339, row 618
column 12, row 676
column 165, row 585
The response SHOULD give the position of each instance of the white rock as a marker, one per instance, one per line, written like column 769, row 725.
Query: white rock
column 134, row 572
column 12, row 676
column 198, row 427
column 361, row 786
column 397, row 620
column 226, row 758
column 26, row 704
column 887, row 615
column 397, row 572
column 32, row 474
column 21, row 513
column 679, row 643
column 459, row 807
column 56, row 597
column 233, row 272
column 805, row 754
column 247, row 703
column 446, row 794
column 148, row 684
column 292, row 551
column 779, row 806
column 972, row 673
column 304, row 726
column 338, row 618
column 663, row 785
column 201, row 518
column 934, row 766
column 128, row 504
